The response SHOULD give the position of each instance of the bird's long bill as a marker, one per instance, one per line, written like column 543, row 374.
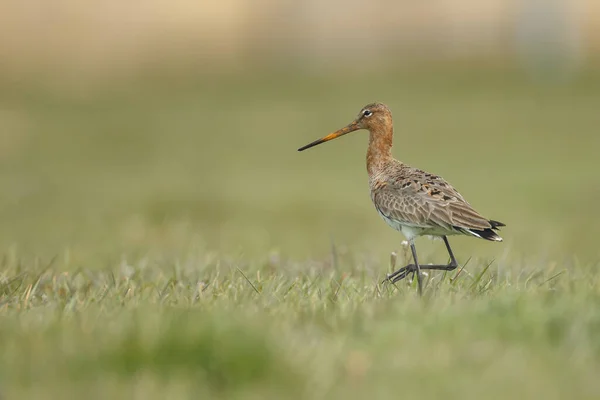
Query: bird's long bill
column 341, row 132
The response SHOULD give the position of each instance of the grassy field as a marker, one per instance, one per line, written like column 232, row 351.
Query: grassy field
column 164, row 239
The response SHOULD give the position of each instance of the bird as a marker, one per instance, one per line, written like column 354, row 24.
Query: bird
column 412, row 201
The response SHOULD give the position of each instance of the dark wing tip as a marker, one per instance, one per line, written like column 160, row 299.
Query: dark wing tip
column 487, row 234
column 496, row 224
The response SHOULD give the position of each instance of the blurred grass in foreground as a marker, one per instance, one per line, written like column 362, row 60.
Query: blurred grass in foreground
column 153, row 198
column 206, row 329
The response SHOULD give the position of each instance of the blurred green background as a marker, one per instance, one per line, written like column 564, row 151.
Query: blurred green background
column 214, row 160
column 166, row 135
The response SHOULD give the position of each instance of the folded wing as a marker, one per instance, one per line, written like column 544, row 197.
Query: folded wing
column 428, row 201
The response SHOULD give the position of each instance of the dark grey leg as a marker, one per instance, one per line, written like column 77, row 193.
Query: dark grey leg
column 417, row 268
column 412, row 268
column 453, row 262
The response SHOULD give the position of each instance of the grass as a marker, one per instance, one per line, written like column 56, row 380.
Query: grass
column 165, row 240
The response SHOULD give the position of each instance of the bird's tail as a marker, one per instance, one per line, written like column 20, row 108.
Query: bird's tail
column 488, row 233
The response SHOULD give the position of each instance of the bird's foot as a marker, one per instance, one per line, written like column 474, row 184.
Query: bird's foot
column 401, row 274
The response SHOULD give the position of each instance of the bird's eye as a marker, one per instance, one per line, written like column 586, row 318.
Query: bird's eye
column 367, row 113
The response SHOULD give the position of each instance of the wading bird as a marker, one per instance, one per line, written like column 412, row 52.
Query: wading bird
column 409, row 200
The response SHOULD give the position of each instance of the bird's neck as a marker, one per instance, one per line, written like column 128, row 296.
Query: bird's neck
column 380, row 149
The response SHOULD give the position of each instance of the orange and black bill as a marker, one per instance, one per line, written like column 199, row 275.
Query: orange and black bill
column 347, row 129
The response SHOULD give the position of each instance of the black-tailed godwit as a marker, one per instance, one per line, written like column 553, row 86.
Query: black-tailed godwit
column 409, row 200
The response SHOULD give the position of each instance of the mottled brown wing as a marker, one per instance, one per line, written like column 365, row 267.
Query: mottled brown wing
column 427, row 201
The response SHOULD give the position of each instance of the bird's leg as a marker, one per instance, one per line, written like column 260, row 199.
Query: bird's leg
column 453, row 264
column 400, row 273
column 404, row 271
column 412, row 268
column 417, row 267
